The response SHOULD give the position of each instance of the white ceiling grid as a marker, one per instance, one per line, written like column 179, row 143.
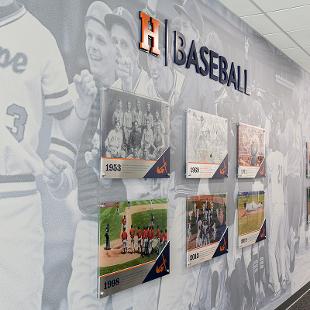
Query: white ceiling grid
column 284, row 23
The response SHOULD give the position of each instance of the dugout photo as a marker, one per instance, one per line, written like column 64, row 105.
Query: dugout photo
column 251, row 151
column 206, row 145
column 206, row 228
column 251, row 218
column 134, row 245
column 135, row 136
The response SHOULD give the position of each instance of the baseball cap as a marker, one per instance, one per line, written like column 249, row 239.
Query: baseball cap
column 123, row 17
column 97, row 11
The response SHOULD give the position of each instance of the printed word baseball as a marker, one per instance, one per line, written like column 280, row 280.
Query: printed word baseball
column 205, row 61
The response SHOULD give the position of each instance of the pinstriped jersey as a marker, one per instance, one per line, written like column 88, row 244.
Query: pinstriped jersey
column 33, row 81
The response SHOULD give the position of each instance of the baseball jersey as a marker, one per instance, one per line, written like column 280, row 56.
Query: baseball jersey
column 139, row 233
column 138, row 117
column 148, row 117
column 124, row 235
column 132, row 232
column 117, row 117
column 33, row 81
column 147, row 137
column 276, row 174
column 135, row 139
column 145, row 233
column 128, row 119
column 114, row 140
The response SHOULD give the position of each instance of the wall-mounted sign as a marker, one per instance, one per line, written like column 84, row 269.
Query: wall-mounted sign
column 206, row 62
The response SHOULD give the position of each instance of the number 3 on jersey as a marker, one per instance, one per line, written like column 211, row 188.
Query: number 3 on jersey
column 20, row 118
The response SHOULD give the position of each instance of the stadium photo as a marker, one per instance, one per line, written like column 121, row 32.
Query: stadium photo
column 250, row 212
column 131, row 233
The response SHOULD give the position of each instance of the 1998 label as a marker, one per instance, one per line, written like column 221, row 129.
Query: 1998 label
column 111, row 283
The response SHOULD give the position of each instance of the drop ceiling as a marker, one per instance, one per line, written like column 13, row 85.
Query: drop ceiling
column 284, row 23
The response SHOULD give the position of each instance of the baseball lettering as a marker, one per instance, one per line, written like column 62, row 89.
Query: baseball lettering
column 209, row 63
column 18, row 61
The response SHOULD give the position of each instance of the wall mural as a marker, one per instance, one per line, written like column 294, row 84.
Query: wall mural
column 103, row 37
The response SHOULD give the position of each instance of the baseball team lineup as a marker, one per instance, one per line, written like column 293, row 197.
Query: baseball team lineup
column 133, row 235
column 113, row 125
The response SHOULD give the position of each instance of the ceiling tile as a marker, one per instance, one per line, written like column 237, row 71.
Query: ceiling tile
column 261, row 24
column 307, row 48
column 297, row 54
column 240, row 7
column 292, row 19
column 302, row 37
column 280, row 40
column 273, row 5
column 305, row 65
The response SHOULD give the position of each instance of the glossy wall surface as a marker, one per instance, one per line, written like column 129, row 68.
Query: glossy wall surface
column 260, row 276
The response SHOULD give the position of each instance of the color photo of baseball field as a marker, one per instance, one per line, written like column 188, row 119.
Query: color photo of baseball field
column 131, row 233
column 251, row 216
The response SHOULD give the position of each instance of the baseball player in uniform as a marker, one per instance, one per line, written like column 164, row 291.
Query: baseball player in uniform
column 124, row 221
column 148, row 116
column 114, row 142
column 34, row 82
column 118, row 114
column 151, row 238
column 128, row 119
column 199, row 228
column 159, row 132
column 124, row 240
column 276, row 218
column 147, row 141
column 144, row 240
column 135, row 141
column 138, row 115
column 132, row 239
column 139, row 235
column 82, row 288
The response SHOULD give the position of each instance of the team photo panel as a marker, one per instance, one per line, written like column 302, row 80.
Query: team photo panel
column 135, row 136
column 134, row 245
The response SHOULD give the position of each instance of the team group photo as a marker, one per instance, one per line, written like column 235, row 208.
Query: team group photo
column 131, row 233
column 206, row 220
column 134, row 127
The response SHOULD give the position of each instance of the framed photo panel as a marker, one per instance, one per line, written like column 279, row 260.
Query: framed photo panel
column 134, row 136
column 206, row 228
column 251, row 151
column 134, row 247
column 206, row 145
column 251, row 218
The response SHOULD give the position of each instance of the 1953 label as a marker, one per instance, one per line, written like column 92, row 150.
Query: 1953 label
column 113, row 167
